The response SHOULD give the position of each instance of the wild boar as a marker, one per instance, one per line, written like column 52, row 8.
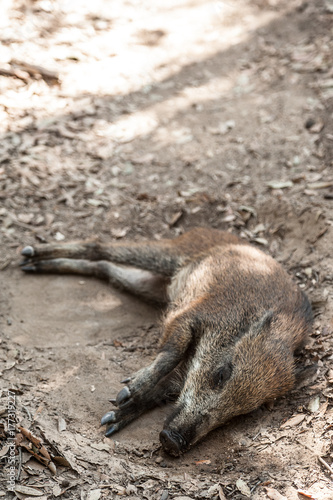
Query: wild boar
column 233, row 321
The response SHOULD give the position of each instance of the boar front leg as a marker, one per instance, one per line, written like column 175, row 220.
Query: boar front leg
column 151, row 385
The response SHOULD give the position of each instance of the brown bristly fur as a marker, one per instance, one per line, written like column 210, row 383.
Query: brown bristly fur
column 233, row 322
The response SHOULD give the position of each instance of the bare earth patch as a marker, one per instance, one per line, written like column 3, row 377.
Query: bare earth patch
column 141, row 120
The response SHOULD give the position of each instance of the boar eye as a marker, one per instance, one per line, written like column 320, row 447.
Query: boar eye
column 222, row 375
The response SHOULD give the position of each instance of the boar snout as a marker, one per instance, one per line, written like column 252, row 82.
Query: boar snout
column 173, row 442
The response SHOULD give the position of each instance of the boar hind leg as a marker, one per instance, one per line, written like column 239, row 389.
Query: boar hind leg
column 162, row 257
column 159, row 257
column 140, row 282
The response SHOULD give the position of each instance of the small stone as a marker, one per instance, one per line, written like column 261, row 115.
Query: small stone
column 314, row 404
column 183, row 498
column 309, row 123
column 165, row 495
column 59, row 236
column 308, row 272
column 131, row 489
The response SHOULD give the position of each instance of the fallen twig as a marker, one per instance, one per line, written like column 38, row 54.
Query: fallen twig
column 35, row 70
column 19, row 465
column 320, row 459
column 5, row 264
column 325, row 464
column 17, row 73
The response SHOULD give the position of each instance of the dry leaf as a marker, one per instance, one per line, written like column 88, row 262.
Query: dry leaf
column 9, row 365
column 293, row 421
column 175, row 218
column 216, row 489
column 100, row 446
column 243, row 488
column 323, row 408
column 41, row 454
column 56, row 490
column 319, row 185
column 314, row 404
column 27, row 490
column 222, row 495
column 305, row 494
column 260, row 228
column 119, row 233
column 62, row 461
column 260, row 241
column 26, row 218
column 95, row 203
column 229, row 218
column 94, row 494
column 4, row 451
column 248, row 209
column 36, row 442
column 117, row 343
column 279, row 184
column 52, row 468
column 273, row 494
column 183, row 498
column 61, row 424
column 143, row 160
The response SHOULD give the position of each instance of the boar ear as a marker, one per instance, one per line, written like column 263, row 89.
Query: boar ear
column 262, row 325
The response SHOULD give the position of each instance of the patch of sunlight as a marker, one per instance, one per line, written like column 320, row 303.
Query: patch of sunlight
column 192, row 33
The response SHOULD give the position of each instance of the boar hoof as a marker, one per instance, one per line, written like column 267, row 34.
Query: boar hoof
column 109, row 417
column 172, row 442
column 28, row 251
column 111, row 430
column 126, row 380
column 123, row 396
column 29, row 268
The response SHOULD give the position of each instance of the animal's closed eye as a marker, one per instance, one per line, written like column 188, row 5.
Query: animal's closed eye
column 222, row 375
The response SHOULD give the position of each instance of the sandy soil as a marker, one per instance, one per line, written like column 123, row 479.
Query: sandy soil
column 155, row 118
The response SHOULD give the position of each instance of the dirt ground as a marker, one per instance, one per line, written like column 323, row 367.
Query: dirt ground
column 142, row 120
